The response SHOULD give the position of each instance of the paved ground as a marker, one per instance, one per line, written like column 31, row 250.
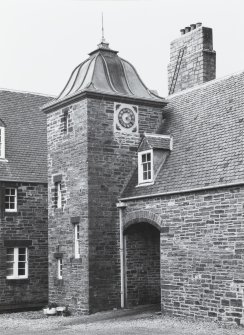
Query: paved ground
column 138, row 321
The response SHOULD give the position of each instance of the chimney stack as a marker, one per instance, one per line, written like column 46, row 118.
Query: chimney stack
column 192, row 58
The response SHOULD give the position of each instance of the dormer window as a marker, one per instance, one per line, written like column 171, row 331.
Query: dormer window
column 2, row 142
column 145, row 166
column 152, row 153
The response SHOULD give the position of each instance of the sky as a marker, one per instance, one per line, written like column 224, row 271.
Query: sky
column 42, row 41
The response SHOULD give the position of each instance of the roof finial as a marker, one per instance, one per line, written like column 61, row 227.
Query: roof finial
column 103, row 44
column 103, row 39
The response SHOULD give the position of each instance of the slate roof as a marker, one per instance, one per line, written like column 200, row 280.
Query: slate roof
column 25, row 136
column 207, row 125
column 156, row 141
column 105, row 72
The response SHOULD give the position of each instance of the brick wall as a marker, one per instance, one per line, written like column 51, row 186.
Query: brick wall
column 202, row 251
column 199, row 60
column 28, row 224
column 142, row 265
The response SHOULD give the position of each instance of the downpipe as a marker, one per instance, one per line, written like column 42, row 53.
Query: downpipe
column 121, row 206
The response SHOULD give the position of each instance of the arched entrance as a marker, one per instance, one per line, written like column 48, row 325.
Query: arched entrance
column 142, row 264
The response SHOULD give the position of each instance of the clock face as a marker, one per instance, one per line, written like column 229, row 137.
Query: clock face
column 126, row 117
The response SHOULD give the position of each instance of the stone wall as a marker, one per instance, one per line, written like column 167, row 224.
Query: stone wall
column 198, row 64
column 27, row 226
column 112, row 159
column 67, row 161
column 202, row 251
column 93, row 164
column 142, row 265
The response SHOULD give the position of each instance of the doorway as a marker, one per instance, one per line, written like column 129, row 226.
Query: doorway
column 142, row 264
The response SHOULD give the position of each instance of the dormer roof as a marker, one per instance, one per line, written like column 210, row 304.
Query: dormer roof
column 156, row 141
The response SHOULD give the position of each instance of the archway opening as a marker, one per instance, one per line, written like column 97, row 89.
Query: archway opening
column 142, row 264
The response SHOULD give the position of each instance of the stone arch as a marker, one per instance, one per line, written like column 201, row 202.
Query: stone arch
column 142, row 231
column 144, row 216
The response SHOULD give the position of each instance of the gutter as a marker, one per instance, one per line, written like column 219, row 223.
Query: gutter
column 54, row 105
column 181, row 191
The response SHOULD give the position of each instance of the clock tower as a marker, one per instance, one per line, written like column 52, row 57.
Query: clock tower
column 94, row 129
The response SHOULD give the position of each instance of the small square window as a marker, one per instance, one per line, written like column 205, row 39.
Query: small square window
column 17, row 263
column 11, row 199
column 145, row 167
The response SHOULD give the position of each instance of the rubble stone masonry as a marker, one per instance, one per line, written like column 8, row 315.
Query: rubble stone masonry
column 202, row 251
column 67, row 163
column 26, row 227
column 93, row 164
column 112, row 158
column 198, row 64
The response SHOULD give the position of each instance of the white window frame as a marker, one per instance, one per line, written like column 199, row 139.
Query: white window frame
column 58, row 194
column 140, row 167
column 60, row 268
column 15, row 199
column 77, row 240
column 2, row 142
column 15, row 263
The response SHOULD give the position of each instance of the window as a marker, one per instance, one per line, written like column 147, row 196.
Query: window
column 11, row 199
column 17, row 263
column 145, row 166
column 77, row 241
column 60, row 268
column 58, row 194
column 2, row 142
column 66, row 121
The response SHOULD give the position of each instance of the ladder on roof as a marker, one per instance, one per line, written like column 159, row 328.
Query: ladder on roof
column 177, row 69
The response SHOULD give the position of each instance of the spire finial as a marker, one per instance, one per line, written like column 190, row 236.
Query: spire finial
column 103, row 39
column 103, row 44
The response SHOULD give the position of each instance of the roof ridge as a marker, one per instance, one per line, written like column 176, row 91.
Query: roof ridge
column 28, row 92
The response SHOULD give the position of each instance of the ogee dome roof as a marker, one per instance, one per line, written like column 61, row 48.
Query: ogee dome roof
column 105, row 72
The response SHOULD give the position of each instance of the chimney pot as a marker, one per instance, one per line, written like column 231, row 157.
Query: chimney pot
column 182, row 31
column 187, row 29
column 199, row 24
column 193, row 26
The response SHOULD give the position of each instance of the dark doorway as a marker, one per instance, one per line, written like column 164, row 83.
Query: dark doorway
column 142, row 265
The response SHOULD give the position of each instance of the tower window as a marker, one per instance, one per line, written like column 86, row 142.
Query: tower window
column 11, row 199
column 66, row 121
column 17, row 263
column 145, row 166
column 60, row 268
column 77, row 240
column 2, row 142
column 58, row 194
